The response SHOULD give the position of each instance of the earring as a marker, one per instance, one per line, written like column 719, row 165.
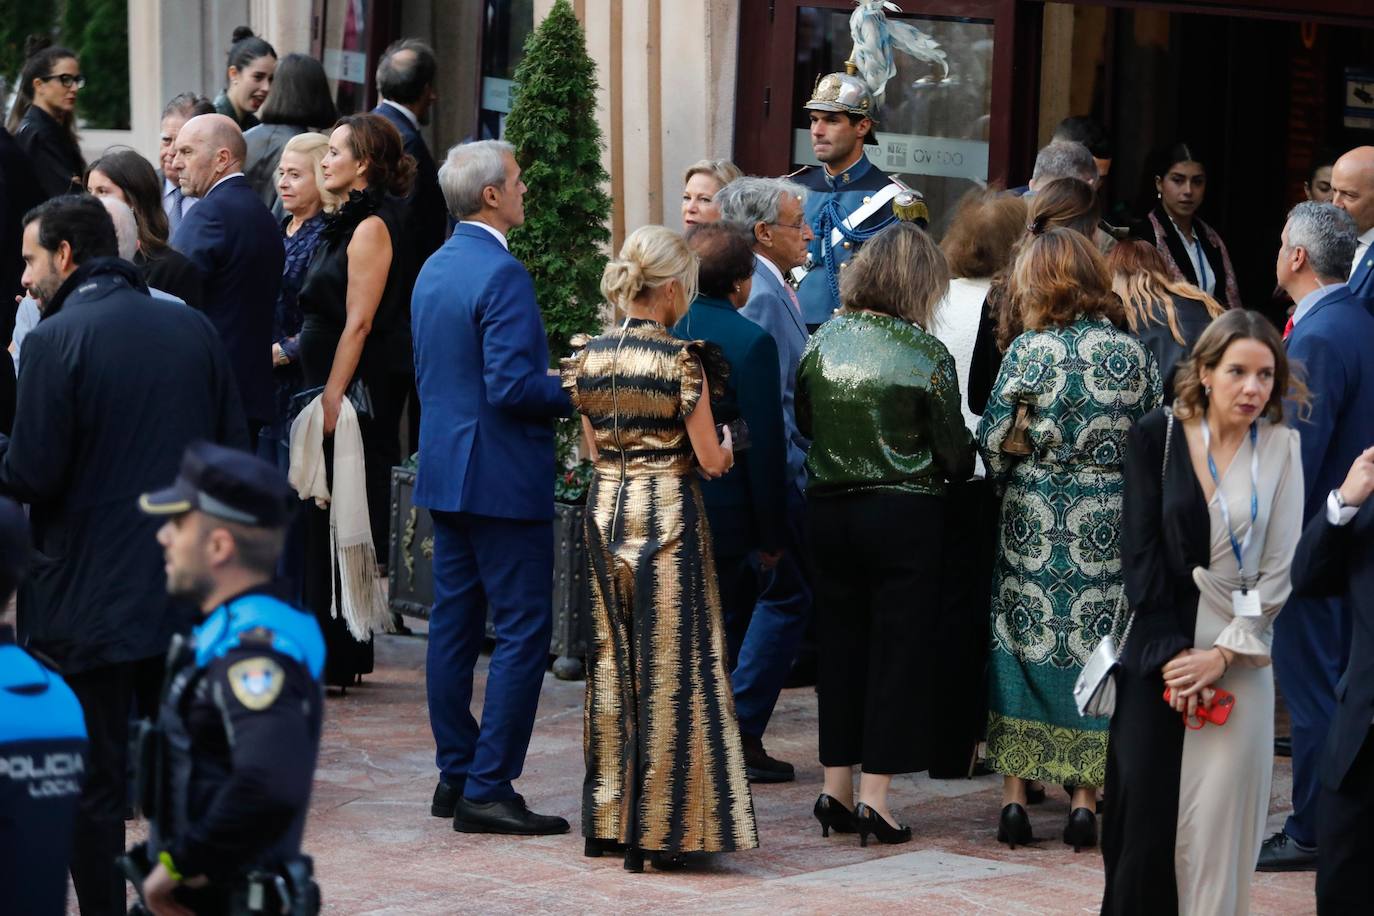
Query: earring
column 1207, row 390
column 736, row 287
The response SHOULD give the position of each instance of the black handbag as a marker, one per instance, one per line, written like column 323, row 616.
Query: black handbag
column 358, row 395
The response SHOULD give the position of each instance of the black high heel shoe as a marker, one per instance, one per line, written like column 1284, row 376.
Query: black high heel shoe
column 869, row 821
column 595, row 848
column 833, row 816
column 634, row 859
column 1013, row 827
column 1081, row 830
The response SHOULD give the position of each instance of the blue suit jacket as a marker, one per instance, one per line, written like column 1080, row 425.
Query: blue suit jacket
column 237, row 245
column 1362, row 279
column 771, row 308
column 481, row 365
column 1334, row 342
column 747, row 507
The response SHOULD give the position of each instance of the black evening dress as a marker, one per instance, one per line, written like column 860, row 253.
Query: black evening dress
column 323, row 299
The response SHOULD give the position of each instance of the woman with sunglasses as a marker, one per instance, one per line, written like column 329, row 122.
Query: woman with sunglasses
column 43, row 118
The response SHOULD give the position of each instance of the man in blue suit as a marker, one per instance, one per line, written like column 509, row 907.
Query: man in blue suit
column 1352, row 187
column 1333, row 343
column 486, row 475
column 769, row 211
column 237, row 245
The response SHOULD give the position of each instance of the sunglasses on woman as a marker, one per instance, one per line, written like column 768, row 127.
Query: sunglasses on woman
column 68, row 80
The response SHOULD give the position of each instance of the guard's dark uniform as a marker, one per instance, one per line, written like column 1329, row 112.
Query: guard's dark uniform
column 226, row 781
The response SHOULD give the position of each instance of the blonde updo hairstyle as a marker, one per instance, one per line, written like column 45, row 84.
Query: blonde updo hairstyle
column 650, row 257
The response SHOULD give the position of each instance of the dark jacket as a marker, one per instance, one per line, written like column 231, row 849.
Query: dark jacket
column 747, row 507
column 265, row 143
column 237, row 245
column 225, row 107
column 115, row 385
column 1193, row 319
column 1332, row 561
column 172, row 272
column 19, row 193
column 53, row 153
column 426, row 220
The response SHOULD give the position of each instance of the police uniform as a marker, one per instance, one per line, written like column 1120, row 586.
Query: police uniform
column 225, row 775
column 845, row 210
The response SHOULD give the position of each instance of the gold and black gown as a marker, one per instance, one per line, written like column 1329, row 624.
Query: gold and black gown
column 665, row 766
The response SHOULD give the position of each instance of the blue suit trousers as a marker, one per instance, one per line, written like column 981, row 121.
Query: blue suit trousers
column 763, row 632
column 505, row 565
column 1310, row 651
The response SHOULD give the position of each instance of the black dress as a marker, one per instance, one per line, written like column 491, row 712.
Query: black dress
column 52, row 151
column 323, row 299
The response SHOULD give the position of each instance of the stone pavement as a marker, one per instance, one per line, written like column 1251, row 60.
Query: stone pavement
column 378, row 851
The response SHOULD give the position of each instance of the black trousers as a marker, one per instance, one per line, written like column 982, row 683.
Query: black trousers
column 876, row 561
column 106, row 696
column 1345, row 863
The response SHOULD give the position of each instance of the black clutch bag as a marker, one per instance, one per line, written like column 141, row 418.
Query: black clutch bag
column 358, row 395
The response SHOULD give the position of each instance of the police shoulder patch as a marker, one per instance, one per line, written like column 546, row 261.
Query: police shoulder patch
column 256, row 682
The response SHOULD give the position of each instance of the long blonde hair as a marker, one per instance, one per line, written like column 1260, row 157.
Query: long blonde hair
column 314, row 145
column 1141, row 278
column 650, row 257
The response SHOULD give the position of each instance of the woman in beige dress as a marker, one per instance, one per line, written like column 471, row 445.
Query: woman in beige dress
column 1213, row 511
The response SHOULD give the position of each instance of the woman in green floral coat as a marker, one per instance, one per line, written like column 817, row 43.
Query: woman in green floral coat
column 1058, row 573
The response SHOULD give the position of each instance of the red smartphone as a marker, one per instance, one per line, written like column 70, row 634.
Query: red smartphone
column 1223, row 701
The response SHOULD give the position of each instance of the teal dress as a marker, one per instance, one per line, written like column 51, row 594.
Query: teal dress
column 1058, row 573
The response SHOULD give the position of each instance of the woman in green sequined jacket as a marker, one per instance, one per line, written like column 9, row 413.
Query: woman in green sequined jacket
column 878, row 396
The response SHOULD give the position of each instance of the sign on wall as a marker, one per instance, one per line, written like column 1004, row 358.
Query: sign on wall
column 910, row 154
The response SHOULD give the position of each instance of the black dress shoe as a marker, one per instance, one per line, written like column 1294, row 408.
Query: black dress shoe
column 759, row 767
column 869, row 821
column 1283, row 746
column 1283, row 853
column 509, row 816
column 1013, row 827
column 595, row 847
column 445, row 803
column 833, row 816
column 1081, row 830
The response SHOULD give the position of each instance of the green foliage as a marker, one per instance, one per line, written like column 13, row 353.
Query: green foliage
column 552, row 124
column 18, row 20
column 99, row 33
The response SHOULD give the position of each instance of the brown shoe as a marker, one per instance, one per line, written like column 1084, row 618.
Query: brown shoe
column 759, row 767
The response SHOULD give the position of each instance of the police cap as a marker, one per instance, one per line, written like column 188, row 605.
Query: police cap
column 227, row 484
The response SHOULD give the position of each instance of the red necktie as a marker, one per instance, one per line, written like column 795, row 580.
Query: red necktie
column 796, row 303
column 1288, row 328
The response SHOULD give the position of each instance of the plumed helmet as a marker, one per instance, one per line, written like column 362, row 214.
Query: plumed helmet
column 843, row 92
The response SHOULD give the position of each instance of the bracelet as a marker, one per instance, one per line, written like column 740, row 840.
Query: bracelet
column 165, row 858
column 1225, row 662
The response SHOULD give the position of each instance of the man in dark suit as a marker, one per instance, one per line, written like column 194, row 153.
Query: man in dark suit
column 1352, row 189
column 1333, row 341
column 115, row 385
column 1336, row 557
column 747, row 508
column 486, row 475
column 405, row 81
column 238, row 247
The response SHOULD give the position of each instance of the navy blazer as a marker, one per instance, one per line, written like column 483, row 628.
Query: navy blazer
column 426, row 212
column 1362, row 279
column 1334, row 344
column 1334, row 560
column 747, row 508
column 237, row 245
column 771, row 308
column 482, row 369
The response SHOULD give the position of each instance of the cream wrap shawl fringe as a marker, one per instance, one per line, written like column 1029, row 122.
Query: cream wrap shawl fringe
column 353, row 560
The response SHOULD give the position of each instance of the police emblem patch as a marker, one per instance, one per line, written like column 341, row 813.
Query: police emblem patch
column 256, row 682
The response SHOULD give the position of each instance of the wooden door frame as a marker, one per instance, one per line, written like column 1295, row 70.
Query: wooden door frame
column 766, row 78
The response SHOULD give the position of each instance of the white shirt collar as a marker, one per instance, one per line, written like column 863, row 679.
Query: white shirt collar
column 1311, row 299
column 220, row 182
column 1362, row 246
column 772, row 268
column 499, row 237
column 168, row 186
column 410, row 115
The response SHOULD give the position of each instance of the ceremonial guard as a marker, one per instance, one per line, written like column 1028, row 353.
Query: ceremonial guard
column 225, row 774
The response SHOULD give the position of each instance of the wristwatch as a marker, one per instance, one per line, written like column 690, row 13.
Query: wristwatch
column 1338, row 499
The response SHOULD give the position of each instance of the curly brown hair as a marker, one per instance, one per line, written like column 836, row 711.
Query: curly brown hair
column 1190, row 398
column 1059, row 277
column 982, row 237
column 375, row 140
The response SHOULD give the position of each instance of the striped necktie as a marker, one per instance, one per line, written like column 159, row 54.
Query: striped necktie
column 174, row 213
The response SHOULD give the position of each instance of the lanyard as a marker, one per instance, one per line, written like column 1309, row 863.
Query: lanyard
column 1237, row 547
column 1201, row 263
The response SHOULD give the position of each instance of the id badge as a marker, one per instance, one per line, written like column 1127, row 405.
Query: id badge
column 1245, row 603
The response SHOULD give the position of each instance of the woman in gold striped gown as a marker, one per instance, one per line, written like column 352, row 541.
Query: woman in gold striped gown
column 665, row 767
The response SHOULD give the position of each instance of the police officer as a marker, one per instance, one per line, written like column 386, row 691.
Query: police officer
column 42, row 743
column 851, row 199
column 225, row 776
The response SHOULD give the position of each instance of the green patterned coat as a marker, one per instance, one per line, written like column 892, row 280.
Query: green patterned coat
column 1058, row 572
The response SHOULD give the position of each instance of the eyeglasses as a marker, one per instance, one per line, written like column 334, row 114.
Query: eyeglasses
column 797, row 226
column 67, row 80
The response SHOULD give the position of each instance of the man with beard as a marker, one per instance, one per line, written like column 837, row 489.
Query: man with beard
column 115, row 384
column 850, row 199
column 233, row 753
